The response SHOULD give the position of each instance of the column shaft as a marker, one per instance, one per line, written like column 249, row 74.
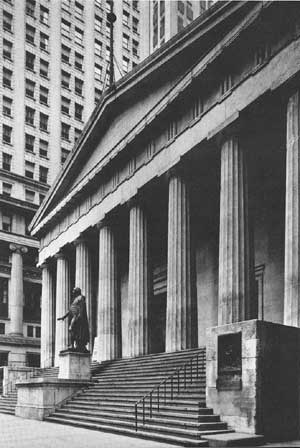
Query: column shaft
column 47, row 327
column 234, row 264
column 16, row 290
column 63, row 294
column 107, row 317
column 179, row 319
column 83, row 278
column 138, row 283
column 292, row 222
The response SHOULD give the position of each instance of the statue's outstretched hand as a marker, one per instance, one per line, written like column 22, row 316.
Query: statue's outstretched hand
column 60, row 318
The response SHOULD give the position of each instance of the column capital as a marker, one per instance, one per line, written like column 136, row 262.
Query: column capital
column 60, row 255
column 178, row 170
column 18, row 249
column 81, row 239
column 232, row 131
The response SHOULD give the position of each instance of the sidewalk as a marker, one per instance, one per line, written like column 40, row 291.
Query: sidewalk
column 16, row 432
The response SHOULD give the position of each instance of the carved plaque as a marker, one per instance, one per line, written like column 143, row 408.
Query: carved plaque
column 230, row 361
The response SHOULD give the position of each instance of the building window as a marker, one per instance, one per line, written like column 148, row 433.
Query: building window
column 98, row 72
column 65, row 28
column 7, row 21
column 44, row 68
column 98, row 94
column 78, row 86
column 98, row 48
column 65, row 105
column 125, row 18
column 30, row 331
column 6, row 223
column 6, row 106
column 66, row 4
column 65, row 54
column 135, row 4
column 43, row 174
column 30, row 7
column 65, row 131
column 30, row 59
column 29, row 142
column 98, row 24
column 77, row 134
column 29, row 88
column 125, row 41
column 29, row 169
column 65, row 79
column 135, row 25
column 3, row 292
column 29, row 195
column 78, row 61
column 2, row 330
column 44, row 95
column 30, row 34
column 107, row 54
column 180, row 6
column 43, row 122
column 262, row 52
column 6, row 161
column 162, row 28
column 44, row 42
column 29, row 115
column 189, row 11
column 78, row 36
column 7, row 49
column 43, row 148
column 64, row 155
column 79, row 10
column 135, row 48
column 41, row 198
column 78, row 111
column 125, row 64
column 6, row 189
column 44, row 15
column 37, row 332
column 6, row 134
column 180, row 24
column 7, row 77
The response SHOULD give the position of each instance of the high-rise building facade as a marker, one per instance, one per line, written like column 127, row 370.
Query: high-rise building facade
column 55, row 65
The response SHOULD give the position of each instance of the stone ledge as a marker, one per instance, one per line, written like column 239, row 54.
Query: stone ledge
column 234, row 439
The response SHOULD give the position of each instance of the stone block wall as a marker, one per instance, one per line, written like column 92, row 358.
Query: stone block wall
column 268, row 400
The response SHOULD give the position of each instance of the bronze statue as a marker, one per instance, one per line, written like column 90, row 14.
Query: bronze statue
column 78, row 322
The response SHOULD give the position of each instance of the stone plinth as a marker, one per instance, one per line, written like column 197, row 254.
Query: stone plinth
column 74, row 365
column 39, row 397
column 267, row 401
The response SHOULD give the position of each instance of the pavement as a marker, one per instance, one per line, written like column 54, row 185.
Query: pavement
column 16, row 432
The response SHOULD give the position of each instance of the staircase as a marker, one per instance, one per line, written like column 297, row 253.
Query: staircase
column 8, row 402
column 110, row 403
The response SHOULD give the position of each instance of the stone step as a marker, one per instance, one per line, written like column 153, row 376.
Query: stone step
column 171, row 439
column 182, row 419
column 131, row 401
column 130, row 413
column 200, row 382
column 136, row 396
column 160, row 427
column 10, row 411
column 120, row 407
column 148, row 369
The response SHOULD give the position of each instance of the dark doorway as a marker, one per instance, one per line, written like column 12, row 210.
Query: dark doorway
column 158, row 323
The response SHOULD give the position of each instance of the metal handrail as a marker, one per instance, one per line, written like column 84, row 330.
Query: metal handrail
column 173, row 378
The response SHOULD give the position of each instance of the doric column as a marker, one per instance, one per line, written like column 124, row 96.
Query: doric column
column 83, row 277
column 63, row 295
column 48, row 317
column 16, row 289
column 179, row 319
column 234, row 261
column 107, row 316
column 292, row 210
column 138, row 282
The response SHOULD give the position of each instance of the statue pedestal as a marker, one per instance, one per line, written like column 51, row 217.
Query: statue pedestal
column 74, row 365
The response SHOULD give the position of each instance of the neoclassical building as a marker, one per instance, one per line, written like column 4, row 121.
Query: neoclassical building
column 178, row 209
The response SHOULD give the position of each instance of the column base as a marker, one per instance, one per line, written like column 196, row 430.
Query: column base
column 74, row 365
